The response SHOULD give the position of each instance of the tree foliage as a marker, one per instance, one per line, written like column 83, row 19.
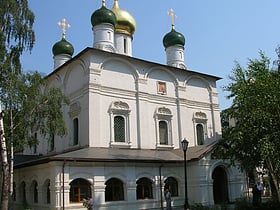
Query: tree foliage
column 29, row 104
column 254, row 140
column 32, row 106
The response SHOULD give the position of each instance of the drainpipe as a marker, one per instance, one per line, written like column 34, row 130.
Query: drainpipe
column 63, row 167
column 160, row 184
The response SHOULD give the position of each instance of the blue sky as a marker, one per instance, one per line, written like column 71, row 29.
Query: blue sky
column 217, row 32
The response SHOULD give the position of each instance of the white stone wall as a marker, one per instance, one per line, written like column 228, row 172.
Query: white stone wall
column 95, row 81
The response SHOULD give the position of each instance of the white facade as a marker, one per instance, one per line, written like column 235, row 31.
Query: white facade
column 175, row 56
column 125, row 123
column 102, row 85
column 103, row 37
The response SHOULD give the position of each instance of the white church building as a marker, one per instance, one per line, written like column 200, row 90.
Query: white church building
column 126, row 121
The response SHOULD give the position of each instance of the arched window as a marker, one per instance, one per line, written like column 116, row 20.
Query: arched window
column 23, row 192
column 51, row 143
column 171, row 184
column 144, row 189
column 75, row 131
column 125, row 45
column 79, row 189
column 14, row 191
column 200, row 127
column 119, row 129
column 163, row 132
column 114, row 190
column 200, row 134
column 35, row 143
column 46, row 192
column 34, row 188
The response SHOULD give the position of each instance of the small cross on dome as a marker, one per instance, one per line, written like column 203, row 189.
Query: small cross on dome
column 63, row 25
column 173, row 16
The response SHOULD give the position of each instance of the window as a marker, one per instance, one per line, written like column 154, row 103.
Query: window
column 125, row 45
column 144, row 189
column 163, row 132
column 51, row 143
column 114, row 190
column 171, row 184
column 163, row 118
column 35, row 191
column 23, row 192
column 109, row 36
column 14, row 192
column 46, row 192
column 200, row 125
column 119, row 129
column 79, row 189
column 75, row 131
column 200, row 134
column 119, row 117
column 35, row 143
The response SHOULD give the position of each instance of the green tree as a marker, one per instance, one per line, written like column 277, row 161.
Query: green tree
column 254, row 139
column 29, row 104
column 16, row 36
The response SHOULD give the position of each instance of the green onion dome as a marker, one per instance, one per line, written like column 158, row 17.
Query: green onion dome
column 126, row 24
column 103, row 15
column 63, row 47
column 173, row 38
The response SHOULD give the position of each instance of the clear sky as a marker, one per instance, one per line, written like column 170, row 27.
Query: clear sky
column 217, row 32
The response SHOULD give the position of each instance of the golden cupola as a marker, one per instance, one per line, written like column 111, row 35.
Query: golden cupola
column 125, row 22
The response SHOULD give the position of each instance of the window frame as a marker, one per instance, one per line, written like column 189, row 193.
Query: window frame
column 200, row 118
column 163, row 114
column 119, row 109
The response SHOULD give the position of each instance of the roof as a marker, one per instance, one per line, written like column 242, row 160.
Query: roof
column 94, row 154
column 130, row 59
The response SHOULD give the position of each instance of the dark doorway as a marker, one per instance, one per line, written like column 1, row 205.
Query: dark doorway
column 220, row 185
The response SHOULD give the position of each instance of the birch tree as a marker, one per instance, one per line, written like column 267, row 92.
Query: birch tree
column 24, row 96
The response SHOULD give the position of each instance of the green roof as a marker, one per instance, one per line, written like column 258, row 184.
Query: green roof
column 173, row 38
column 63, row 47
column 103, row 15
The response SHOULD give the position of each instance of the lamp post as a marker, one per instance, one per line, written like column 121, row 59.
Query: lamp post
column 185, row 144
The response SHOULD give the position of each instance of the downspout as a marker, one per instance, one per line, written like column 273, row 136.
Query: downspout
column 63, row 200
column 213, row 114
column 178, row 112
column 160, row 185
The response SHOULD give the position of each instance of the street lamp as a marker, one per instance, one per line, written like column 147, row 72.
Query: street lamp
column 185, row 144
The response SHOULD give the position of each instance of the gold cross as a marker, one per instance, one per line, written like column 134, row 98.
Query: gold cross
column 63, row 25
column 173, row 16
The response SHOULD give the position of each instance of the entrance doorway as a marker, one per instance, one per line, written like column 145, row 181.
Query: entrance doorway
column 220, row 185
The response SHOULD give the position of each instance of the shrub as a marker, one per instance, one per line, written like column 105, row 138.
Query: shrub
column 199, row 206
